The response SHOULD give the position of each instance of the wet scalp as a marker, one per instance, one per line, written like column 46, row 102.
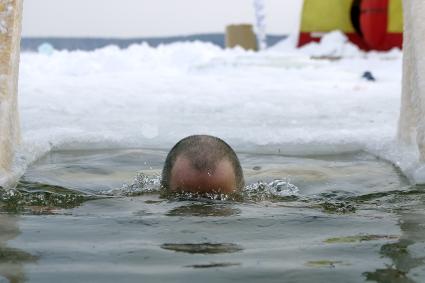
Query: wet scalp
column 204, row 153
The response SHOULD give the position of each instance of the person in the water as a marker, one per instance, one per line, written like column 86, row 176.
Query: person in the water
column 202, row 164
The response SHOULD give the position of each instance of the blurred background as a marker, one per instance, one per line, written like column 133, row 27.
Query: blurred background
column 66, row 22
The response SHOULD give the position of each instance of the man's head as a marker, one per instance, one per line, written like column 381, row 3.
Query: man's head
column 202, row 164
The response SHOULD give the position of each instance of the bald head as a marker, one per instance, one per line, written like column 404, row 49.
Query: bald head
column 202, row 164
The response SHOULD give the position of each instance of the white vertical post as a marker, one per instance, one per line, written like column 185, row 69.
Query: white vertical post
column 260, row 26
column 10, row 36
column 407, row 123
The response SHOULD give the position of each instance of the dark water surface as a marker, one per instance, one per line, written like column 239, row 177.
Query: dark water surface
column 345, row 218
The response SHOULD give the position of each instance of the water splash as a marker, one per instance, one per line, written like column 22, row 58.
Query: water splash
column 145, row 184
column 201, row 197
column 274, row 190
column 141, row 184
column 260, row 191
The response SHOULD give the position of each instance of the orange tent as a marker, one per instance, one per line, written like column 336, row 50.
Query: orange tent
column 370, row 24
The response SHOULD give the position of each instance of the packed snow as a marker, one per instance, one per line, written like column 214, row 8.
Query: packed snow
column 283, row 100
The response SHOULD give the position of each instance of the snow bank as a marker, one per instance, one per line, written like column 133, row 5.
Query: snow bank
column 334, row 44
column 279, row 100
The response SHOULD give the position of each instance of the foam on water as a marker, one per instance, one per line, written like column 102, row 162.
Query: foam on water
column 277, row 101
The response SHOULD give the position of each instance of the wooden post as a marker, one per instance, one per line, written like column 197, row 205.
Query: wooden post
column 241, row 35
column 10, row 37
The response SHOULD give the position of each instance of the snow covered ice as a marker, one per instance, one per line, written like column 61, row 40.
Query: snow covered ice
column 278, row 100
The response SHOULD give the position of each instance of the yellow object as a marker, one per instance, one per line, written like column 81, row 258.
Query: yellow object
column 395, row 16
column 329, row 15
column 326, row 16
column 370, row 24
